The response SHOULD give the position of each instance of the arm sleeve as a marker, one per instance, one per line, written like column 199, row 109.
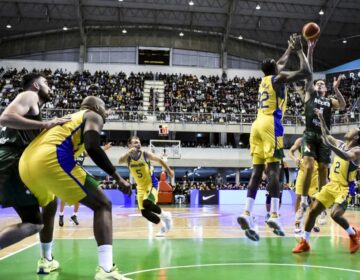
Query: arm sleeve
column 96, row 153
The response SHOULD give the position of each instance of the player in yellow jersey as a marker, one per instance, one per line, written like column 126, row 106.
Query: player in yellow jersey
column 138, row 162
column 48, row 169
column 314, row 184
column 337, row 192
column 266, row 136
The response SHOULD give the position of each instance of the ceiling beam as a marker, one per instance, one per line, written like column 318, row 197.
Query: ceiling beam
column 229, row 17
column 328, row 13
column 78, row 6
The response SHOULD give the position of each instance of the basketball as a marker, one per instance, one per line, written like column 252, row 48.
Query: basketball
column 311, row 31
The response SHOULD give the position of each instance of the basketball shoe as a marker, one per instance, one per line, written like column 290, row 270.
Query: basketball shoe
column 45, row 266
column 301, row 247
column 113, row 274
column 354, row 241
column 74, row 219
column 61, row 220
column 274, row 223
column 246, row 222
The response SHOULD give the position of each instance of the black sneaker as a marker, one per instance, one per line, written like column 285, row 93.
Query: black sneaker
column 74, row 219
column 61, row 220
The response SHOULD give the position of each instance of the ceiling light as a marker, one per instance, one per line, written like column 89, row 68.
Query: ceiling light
column 191, row 3
column 240, row 37
column 124, row 31
column 344, row 41
column 8, row 26
column 321, row 12
column 65, row 28
column 257, row 7
column 181, row 34
column 121, row 0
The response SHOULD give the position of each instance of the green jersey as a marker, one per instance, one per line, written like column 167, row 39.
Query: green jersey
column 17, row 137
column 316, row 101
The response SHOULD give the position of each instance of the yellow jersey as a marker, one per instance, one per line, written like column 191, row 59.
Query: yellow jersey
column 343, row 171
column 142, row 171
column 270, row 101
column 67, row 137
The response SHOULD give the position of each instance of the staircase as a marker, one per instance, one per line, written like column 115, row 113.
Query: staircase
column 158, row 87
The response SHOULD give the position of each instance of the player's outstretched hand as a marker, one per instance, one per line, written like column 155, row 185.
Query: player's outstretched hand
column 56, row 121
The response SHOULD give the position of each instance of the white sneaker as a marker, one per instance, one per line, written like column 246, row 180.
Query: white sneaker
column 113, row 274
column 167, row 218
column 162, row 231
column 297, row 229
column 246, row 223
column 322, row 219
column 274, row 223
column 45, row 266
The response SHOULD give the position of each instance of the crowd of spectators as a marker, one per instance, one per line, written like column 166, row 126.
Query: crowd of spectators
column 187, row 98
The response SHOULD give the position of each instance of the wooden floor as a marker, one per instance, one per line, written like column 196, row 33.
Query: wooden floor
column 200, row 229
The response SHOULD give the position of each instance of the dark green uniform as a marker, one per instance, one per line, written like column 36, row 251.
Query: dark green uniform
column 12, row 144
column 311, row 144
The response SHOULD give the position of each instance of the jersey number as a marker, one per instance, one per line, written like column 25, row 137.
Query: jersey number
column 264, row 96
column 337, row 166
column 139, row 174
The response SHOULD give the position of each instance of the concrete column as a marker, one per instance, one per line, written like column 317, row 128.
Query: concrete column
column 82, row 57
column 237, row 177
column 236, row 139
column 223, row 138
column 211, row 138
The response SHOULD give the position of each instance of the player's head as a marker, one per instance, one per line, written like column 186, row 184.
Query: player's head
column 95, row 104
column 320, row 85
column 269, row 67
column 353, row 135
column 134, row 142
column 36, row 82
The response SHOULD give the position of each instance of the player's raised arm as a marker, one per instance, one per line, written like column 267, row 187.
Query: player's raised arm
column 13, row 115
column 309, row 82
column 155, row 158
column 125, row 156
column 339, row 102
column 304, row 70
column 293, row 149
column 281, row 63
column 325, row 133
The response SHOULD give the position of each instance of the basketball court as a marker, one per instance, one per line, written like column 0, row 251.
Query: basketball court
column 205, row 243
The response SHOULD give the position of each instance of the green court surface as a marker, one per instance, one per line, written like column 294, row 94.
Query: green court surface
column 209, row 259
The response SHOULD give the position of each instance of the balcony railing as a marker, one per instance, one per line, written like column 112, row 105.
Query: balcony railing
column 197, row 118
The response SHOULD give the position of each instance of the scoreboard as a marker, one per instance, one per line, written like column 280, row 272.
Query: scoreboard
column 154, row 56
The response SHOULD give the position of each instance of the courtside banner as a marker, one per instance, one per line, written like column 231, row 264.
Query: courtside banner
column 208, row 197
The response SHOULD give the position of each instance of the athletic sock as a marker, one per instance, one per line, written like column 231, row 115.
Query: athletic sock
column 274, row 207
column 105, row 257
column 46, row 251
column 249, row 204
column 307, row 235
column 304, row 199
column 350, row 231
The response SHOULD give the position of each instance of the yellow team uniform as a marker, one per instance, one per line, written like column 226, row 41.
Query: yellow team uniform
column 314, row 184
column 48, row 167
column 146, row 183
column 342, row 176
column 266, row 136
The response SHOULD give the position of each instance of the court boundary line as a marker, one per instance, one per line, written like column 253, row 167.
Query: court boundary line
column 18, row 251
column 241, row 264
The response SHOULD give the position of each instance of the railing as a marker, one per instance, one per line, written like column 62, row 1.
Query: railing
column 197, row 118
